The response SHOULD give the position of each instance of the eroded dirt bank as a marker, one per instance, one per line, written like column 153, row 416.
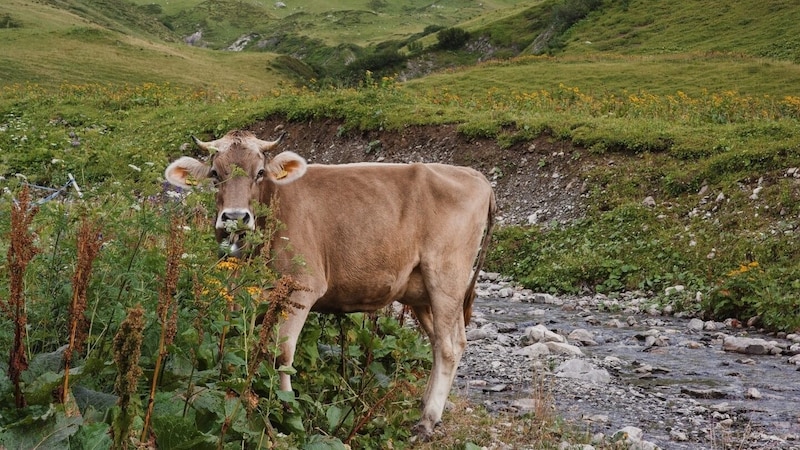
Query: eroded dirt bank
column 539, row 180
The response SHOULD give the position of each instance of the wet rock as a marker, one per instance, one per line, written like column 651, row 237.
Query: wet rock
column 488, row 331
column 505, row 293
column 491, row 276
column 632, row 436
column 533, row 351
column 678, row 288
column 678, row 436
column 561, row 348
column 582, row 336
column 692, row 344
column 696, row 325
column 750, row 346
column 528, row 404
column 495, row 388
column 546, row 299
column 581, row 369
column 506, row 327
column 540, row 333
column 704, row 393
column 753, row 394
column 795, row 360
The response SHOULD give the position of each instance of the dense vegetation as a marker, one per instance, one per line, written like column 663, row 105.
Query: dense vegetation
column 122, row 285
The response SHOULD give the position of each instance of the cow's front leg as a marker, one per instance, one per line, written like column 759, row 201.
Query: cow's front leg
column 288, row 333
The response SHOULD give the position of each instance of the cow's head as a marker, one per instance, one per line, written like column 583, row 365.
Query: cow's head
column 239, row 166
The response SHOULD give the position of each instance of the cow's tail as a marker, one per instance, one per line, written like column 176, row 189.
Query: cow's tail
column 469, row 298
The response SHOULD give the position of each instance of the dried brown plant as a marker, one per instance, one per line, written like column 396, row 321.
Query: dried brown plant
column 127, row 348
column 167, row 311
column 127, row 351
column 21, row 251
column 279, row 304
column 89, row 243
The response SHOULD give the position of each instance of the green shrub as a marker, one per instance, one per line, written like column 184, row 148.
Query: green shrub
column 452, row 38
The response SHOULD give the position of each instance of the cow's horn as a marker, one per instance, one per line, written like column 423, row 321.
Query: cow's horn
column 268, row 145
column 207, row 146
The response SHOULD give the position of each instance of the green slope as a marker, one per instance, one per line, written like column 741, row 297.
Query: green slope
column 756, row 28
column 51, row 46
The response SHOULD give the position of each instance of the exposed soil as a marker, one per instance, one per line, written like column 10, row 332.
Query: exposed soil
column 545, row 178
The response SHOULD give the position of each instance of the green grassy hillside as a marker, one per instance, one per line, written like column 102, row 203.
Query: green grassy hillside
column 50, row 46
column 359, row 22
column 766, row 29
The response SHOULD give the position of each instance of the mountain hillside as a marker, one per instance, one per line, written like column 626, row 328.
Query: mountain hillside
column 755, row 28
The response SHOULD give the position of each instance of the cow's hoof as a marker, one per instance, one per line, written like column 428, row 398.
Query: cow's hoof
column 422, row 432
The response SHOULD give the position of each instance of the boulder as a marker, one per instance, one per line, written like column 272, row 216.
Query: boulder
column 533, row 351
column 540, row 333
column 580, row 369
column 750, row 346
column 561, row 348
column 582, row 336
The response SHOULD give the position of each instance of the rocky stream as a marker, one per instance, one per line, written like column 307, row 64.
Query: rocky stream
column 623, row 364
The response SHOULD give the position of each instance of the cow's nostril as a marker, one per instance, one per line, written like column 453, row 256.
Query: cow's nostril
column 235, row 216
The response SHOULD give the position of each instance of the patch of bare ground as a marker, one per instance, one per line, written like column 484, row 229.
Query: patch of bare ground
column 536, row 181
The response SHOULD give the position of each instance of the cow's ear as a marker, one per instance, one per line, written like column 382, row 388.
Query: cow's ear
column 286, row 167
column 186, row 172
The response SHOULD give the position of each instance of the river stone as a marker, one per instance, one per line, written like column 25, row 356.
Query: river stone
column 527, row 404
column 749, row 346
column 696, row 325
column 633, row 437
column 583, row 336
column 533, row 351
column 753, row 393
column 561, row 348
column 630, row 434
column 506, row 327
column 546, row 299
column 674, row 289
column 488, row 331
column 583, row 370
column 540, row 333
column 491, row 276
column 795, row 360
column 703, row 393
column 678, row 436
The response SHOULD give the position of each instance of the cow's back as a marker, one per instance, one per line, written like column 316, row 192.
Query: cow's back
column 366, row 233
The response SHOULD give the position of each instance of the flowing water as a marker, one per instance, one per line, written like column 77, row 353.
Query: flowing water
column 702, row 371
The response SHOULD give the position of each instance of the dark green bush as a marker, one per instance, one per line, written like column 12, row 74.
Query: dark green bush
column 452, row 38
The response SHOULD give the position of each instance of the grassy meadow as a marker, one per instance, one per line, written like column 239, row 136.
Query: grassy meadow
column 161, row 339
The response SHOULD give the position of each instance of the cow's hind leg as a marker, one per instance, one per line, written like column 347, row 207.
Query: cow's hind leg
column 448, row 341
column 425, row 319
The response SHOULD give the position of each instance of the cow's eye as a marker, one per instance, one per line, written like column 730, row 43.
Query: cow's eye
column 260, row 174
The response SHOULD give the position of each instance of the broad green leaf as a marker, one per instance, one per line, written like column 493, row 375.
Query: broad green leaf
column 93, row 436
column 334, row 415
column 287, row 369
column 318, row 442
column 178, row 433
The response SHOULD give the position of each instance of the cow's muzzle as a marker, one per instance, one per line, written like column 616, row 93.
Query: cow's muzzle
column 232, row 226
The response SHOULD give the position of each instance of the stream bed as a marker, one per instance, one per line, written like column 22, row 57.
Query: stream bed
column 669, row 376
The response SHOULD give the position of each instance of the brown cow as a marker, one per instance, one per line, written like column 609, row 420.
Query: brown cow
column 368, row 234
